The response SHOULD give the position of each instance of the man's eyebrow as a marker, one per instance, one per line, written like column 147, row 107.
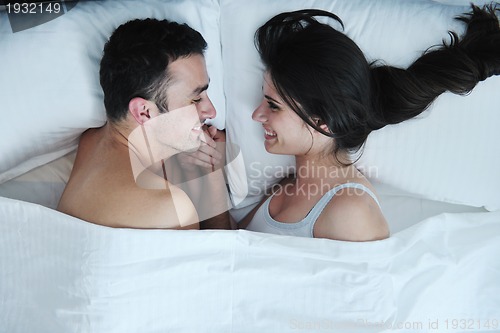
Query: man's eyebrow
column 201, row 89
column 272, row 99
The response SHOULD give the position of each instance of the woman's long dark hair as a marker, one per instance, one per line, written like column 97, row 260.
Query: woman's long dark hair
column 325, row 78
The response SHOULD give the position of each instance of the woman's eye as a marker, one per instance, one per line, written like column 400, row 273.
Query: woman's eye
column 197, row 100
column 272, row 106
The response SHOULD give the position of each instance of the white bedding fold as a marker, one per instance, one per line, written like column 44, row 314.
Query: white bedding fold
column 60, row 274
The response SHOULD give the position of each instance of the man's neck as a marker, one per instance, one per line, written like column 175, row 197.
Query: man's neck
column 116, row 135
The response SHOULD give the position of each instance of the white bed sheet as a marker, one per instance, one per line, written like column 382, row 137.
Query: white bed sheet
column 60, row 274
column 43, row 185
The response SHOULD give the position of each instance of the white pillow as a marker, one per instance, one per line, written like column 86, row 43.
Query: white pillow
column 446, row 154
column 49, row 85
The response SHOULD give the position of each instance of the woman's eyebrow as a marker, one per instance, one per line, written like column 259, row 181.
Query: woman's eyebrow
column 272, row 99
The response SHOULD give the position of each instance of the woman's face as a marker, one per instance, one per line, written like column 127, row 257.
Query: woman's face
column 284, row 131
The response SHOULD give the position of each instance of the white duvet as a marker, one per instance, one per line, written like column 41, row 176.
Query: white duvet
column 60, row 274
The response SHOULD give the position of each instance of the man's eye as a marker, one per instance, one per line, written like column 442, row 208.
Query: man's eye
column 197, row 100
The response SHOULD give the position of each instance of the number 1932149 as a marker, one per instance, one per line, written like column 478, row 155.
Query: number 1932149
column 33, row 8
column 471, row 324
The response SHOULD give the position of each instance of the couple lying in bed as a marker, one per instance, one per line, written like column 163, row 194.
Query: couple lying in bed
column 321, row 101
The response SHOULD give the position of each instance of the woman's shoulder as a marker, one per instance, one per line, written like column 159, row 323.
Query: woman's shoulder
column 352, row 215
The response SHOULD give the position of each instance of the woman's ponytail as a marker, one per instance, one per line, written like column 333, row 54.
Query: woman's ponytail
column 401, row 94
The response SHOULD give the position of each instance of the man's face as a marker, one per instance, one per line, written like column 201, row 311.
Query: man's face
column 164, row 135
column 188, row 86
column 179, row 129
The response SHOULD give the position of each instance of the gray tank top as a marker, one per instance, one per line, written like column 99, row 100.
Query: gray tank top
column 263, row 222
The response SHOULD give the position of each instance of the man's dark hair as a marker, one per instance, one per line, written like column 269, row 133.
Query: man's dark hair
column 135, row 60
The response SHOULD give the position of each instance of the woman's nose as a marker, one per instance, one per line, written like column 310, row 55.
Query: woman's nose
column 259, row 114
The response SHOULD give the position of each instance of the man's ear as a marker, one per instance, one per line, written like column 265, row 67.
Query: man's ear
column 140, row 109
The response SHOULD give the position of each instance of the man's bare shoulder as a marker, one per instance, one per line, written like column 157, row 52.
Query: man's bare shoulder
column 139, row 208
column 154, row 208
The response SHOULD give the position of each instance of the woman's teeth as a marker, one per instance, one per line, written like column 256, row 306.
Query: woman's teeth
column 270, row 133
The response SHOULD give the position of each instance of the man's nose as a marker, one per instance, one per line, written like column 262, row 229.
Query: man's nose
column 207, row 110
